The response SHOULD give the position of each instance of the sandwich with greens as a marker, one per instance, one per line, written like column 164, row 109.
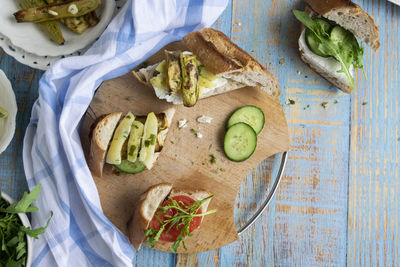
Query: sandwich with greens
column 212, row 64
column 328, row 43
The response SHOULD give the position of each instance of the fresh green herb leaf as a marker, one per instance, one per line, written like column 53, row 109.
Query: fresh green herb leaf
column 193, row 131
column 290, row 102
column 180, row 220
column 13, row 248
column 24, row 205
column 364, row 103
column 213, row 159
column 335, row 101
column 324, row 104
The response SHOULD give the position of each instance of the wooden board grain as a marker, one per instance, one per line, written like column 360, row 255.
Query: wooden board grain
column 185, row 159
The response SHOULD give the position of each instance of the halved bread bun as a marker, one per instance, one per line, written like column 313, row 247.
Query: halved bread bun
column 233, row 67
column 102, row 133
column 351, row 17
column 101, row 137
column 147, row 205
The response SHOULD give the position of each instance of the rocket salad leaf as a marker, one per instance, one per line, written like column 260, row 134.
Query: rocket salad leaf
column 347, row 52
column 13, row 248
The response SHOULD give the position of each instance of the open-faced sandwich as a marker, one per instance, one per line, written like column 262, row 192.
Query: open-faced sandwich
column 212, row 65
column 329, row 45
column 166, row 214
column 131, row 145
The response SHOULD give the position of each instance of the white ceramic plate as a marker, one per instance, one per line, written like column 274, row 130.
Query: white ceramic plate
column 397, row 2
column 7, row 101
column 28, row 36
column 25, row 221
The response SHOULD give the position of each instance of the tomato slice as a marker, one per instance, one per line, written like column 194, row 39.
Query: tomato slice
column 173, row 233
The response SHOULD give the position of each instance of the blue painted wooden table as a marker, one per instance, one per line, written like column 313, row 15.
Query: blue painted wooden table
column 338, row 202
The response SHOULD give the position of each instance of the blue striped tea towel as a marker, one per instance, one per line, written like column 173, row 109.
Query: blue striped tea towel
column 79, row 234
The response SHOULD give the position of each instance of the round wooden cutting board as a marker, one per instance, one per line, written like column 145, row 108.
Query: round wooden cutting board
column 185, row 159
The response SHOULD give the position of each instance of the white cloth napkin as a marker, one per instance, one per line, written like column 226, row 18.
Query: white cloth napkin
column 79, row 234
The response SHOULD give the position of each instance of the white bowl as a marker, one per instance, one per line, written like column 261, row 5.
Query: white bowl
column 28, row 36
column 25, row 221
column 7, row 101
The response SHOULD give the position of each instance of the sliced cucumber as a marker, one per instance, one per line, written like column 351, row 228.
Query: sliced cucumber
column 240, row 142
column 313, row 43
column 134, row 141
column 312, row 40
column 127, row 166
column 338, row 34
column 120, row 136
column 250, row 115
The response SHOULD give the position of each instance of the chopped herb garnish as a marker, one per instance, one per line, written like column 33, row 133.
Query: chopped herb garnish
column 222, row 169
column 150, row 141
column 290, row 102
column 193, row 131
column 364, row 103
column 132, row 149
column 213, row 159
column 335, row 101
column 181, row 219
column 324, row 104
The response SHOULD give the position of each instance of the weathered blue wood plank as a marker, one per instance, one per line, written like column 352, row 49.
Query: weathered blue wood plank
column 25, row 83
column 374, row 211
column 307, row 222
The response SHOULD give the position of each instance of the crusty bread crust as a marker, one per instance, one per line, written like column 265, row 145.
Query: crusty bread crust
column 350, row 16
column 221, row 56
column 147, row 205
column 100, row 138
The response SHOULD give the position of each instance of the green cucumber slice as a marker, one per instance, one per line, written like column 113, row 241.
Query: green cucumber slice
column 240, row 142
column 127, row 166
column 250, row 115
column 338, row 34
column 313, row 42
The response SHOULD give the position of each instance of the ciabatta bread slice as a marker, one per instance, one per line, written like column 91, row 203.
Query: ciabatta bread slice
column 100, row 139
column 144, row 212
column 351, row 17
column 233, row 67
column 221, row 56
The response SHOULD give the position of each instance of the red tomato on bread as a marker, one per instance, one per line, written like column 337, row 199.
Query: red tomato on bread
column 173, row 233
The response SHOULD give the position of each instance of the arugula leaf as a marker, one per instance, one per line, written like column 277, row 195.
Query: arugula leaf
column 346, row 52
column 183, row 218
column 24, row 205
column 38, row 231
column 13, row 248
